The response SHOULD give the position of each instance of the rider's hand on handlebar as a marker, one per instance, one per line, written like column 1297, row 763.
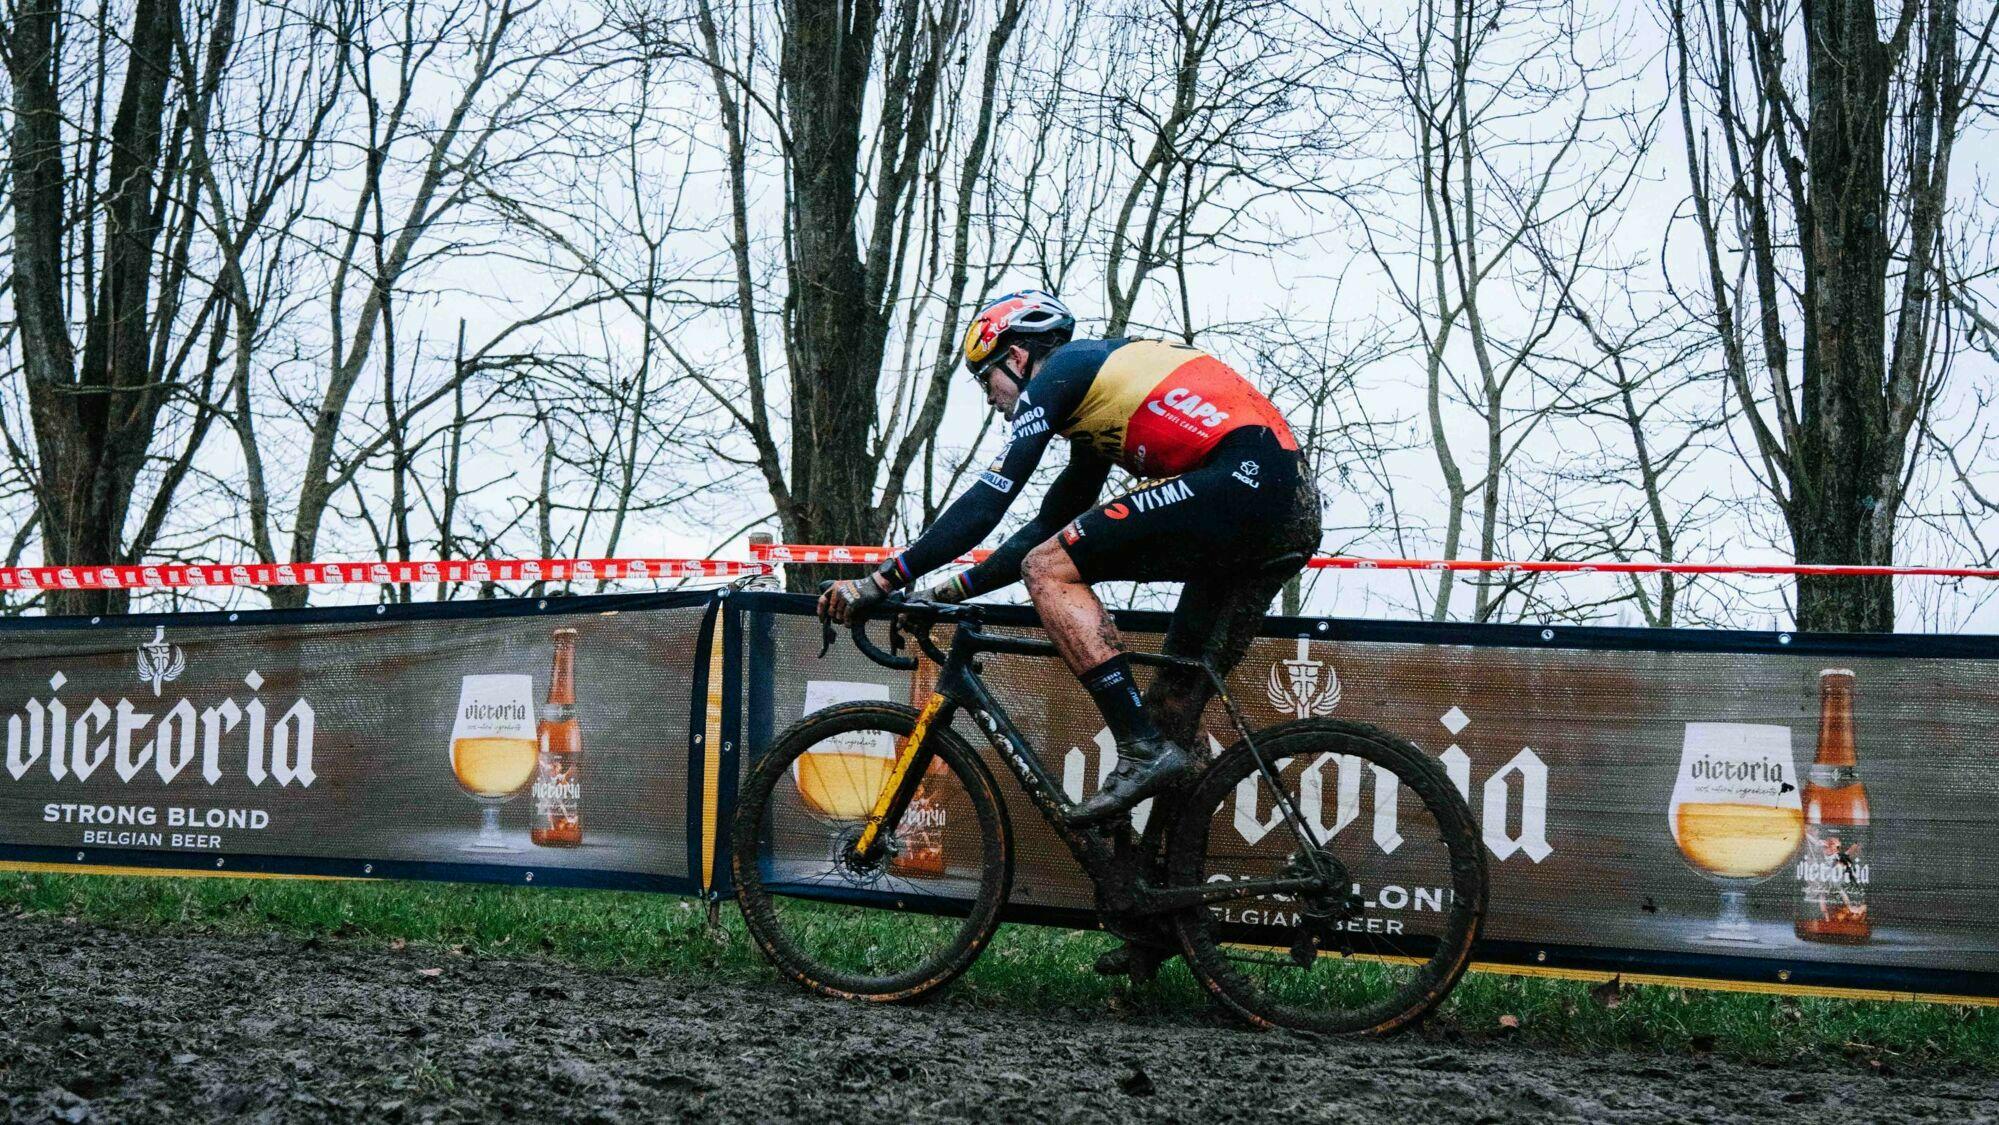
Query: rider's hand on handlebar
column 948, row 592
column 850, row 599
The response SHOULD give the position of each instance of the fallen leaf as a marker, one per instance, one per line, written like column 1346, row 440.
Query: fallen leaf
column 1510, row 1023
column 1610, row 993
column 397, row 944
column 430, row 972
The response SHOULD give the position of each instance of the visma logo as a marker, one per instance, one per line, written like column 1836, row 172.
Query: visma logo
column 1154, row 498
column 1185, row 401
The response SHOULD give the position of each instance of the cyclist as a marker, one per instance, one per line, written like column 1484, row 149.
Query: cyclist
column 1225, row 505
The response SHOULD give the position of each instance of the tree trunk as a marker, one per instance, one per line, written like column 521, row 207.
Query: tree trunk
column 1837, row 513
column 93, row 419
column 837, row 333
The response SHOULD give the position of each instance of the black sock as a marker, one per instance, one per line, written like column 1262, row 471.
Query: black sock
column 1117, row 697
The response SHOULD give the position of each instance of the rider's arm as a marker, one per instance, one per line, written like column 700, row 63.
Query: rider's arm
column 972, row 517
column 1058, row 387
column 1071, row 493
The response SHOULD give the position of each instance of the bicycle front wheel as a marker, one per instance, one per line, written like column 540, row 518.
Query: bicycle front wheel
column 1400, row 858
column 896, row 928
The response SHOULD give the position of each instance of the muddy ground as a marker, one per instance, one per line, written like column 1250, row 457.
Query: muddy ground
column 115, row 1025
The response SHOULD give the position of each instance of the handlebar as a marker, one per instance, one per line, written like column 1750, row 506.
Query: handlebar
column 859, row 628
column 920, row 615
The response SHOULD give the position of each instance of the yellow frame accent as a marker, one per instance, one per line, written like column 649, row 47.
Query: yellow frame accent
column 872, row 829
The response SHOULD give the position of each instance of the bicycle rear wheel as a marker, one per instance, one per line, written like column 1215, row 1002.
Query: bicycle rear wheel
column 1388, row 944
column 891, row 930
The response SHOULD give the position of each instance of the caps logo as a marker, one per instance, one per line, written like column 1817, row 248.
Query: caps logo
column 1189, row 403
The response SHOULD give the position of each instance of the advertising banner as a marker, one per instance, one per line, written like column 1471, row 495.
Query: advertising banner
column 1766, row 808
column 544, row 742
column 1786, row 811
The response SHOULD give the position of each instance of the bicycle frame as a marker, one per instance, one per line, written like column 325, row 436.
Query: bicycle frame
column 1115, row 864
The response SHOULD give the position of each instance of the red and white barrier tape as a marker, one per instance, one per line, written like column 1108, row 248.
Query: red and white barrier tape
column 818, row 553
column 380, row 573
column 765, row 558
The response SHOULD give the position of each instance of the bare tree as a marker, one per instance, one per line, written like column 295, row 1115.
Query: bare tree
column 1821, row 190
column 1204, row 111
column 421, row 174
column 1514, row 170
column 880, row 120
column 104, row 226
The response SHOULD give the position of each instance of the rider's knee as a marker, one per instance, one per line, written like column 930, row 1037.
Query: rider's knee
column 1048, row 563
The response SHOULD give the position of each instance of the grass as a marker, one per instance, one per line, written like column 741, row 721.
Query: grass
column 1027, row 968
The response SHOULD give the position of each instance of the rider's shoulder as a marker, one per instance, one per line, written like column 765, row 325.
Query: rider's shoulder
column 1080, row 357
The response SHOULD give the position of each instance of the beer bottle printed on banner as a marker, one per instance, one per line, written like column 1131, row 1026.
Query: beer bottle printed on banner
column 1832, row 866
column 558, row 789
column 921, row 833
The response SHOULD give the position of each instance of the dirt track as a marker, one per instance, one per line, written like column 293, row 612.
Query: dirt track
column 114, row 1025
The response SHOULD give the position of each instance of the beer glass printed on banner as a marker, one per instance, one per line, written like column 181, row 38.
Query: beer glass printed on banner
column 493, row 747
column 1735, row 813
column 835, row 784
column 840, row 778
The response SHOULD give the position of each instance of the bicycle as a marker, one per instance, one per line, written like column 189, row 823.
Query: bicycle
column 1291, row 937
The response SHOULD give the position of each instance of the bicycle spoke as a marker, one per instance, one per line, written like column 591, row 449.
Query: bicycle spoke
column 1401, row 890
column 889, row 925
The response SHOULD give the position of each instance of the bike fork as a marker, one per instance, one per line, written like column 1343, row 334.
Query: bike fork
column 902, row 780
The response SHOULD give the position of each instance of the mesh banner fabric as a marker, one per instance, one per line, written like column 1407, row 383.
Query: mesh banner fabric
column 1762, row 808
column 544, row 742
column 1779, row 811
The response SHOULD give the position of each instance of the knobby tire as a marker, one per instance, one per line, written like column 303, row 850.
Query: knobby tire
column 757, row 810
column 1204, row 939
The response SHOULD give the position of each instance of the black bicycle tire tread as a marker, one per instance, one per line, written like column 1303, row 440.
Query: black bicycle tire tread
column 995, row 882
column 1429, row 780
